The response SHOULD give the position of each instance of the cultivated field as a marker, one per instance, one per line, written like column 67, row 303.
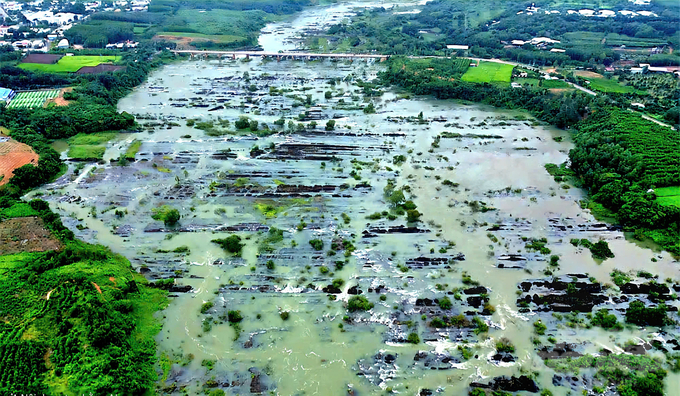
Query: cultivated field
column 70, row 64
column 599, row 83
column 191, row 37
column 26, row 234
column 33, row 99
column 89, row 147
column 668, row 195
column 14, row 155
column 489, row 72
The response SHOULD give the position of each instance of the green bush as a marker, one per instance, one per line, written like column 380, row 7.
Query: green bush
column 540, row 328
column 359, row 303
column 234, row 316
column 231, row 244
column 445, row 303
column 317, row 244
column 206, row 307
column 640, row 315
column 605, row 320
column 168, row 215
column 413, row 338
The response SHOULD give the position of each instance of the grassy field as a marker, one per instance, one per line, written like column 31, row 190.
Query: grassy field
column 89, row 146
column 668, row 195
column 489, row 72
column 604, row 85
column 97, row 138
column 70, row 64
column 555, row 84
column 33, row 99
column 87, row 152
column 218, row 38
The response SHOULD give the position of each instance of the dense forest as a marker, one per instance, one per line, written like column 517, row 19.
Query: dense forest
column 75, row 320
column 619, row 156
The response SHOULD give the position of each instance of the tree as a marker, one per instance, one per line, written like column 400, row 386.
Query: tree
column 369, row 109
column 640, row 315
column 328, row 95
column 253, row 125
column 231, row 244
column 396, row 198
column 330, row 125
column 242, row 123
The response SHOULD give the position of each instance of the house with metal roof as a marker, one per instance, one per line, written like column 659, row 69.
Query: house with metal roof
column 6, row 95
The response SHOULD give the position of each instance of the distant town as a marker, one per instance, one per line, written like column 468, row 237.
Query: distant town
column 40, row 26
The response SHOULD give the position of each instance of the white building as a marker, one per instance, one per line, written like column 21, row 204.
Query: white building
column 63, row 43
column 61, row 18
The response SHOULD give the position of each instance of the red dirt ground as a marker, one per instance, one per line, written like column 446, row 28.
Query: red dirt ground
column 14, row 155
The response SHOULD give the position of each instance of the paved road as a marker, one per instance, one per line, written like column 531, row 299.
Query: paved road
column 586, row 90
column 654, row 120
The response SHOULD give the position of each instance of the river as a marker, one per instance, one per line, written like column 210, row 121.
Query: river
column 319, row 184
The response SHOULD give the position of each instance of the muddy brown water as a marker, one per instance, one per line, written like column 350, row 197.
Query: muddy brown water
column 304, row 176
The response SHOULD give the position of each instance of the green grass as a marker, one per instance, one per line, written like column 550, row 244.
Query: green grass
column 667, row 191
column 218, row 38
column 555, row 84
column 70, row 64
column 669, row 196
column 133, row 149
column 489, row 72
column 528, row 81
column 87, row 152
column 32, row 318
column 18, row 210
column 612, row 85
column 97, row 138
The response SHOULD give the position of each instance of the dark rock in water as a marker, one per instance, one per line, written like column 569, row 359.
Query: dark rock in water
column 559, row 351
column 331, row 290
column 554, row 296
column 476, row 290
column 512, row 257
column 503, row 357
column 434, row 361
column 224, row 155
column 400, row 229
column 257, row 382
column 476, row 301
column 381, row 365
column 568, row 381
column 425, row 392
column 124, row 230
column 290, row 188
column 512, row 384
column 638, row 349
column 424, row 302
column 646, row 288
column 354, row 290
column 180, row 288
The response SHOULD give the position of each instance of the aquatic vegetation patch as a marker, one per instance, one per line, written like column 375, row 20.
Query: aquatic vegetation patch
column 167, row 214
column 231, row 244
column 633, row 375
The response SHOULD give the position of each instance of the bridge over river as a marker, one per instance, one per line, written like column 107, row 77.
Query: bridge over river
column 280, row 55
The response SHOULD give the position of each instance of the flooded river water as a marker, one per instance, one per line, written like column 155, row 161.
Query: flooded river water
column 483, row 195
